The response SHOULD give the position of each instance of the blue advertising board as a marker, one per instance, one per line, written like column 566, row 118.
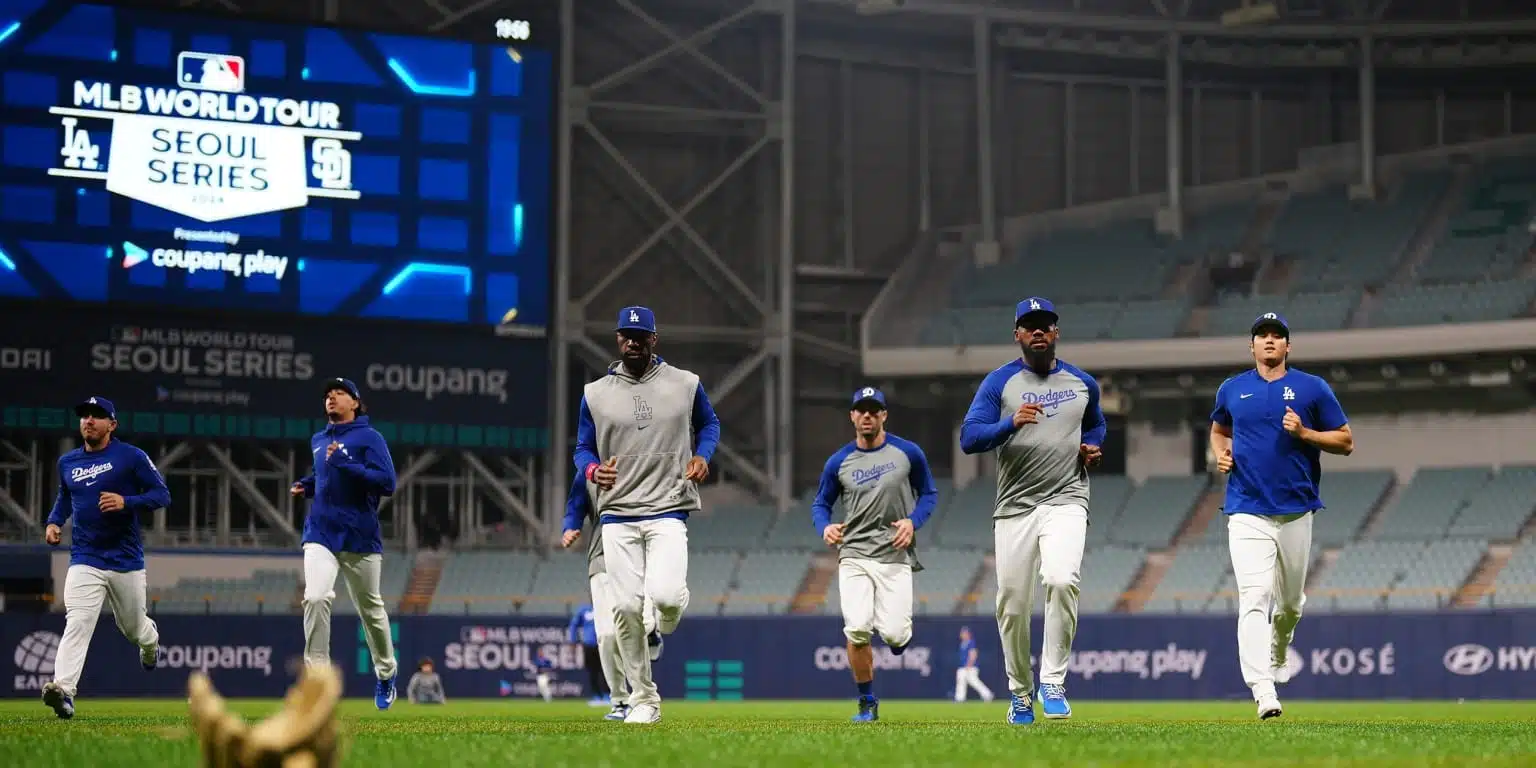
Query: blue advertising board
column 1483, row 655
column 157, row 158
column 200, row 375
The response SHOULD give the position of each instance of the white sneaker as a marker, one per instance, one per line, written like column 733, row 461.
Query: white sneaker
column 644, row 714
column 1269, row 706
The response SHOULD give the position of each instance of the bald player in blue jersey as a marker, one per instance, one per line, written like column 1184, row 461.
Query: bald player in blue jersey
column 1042, row 417
column 1268, row 431
column 104, row 486
column 888, row 493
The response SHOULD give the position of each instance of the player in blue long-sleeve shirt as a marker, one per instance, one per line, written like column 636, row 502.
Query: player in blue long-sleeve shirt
column 888, row 494
column 583, row 630
column 104, row 486
column 352, row 472
column 1043, row 419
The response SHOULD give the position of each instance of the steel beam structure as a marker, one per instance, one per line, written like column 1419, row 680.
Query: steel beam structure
column 592, row 114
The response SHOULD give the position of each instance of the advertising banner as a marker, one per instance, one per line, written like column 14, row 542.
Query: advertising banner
column 160, row 159
column 1485, row 655
column 260, row 377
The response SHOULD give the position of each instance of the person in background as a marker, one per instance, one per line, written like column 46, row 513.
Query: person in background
column 426, row 687
column 544, row 668
column 968, row 675
column 583, row 630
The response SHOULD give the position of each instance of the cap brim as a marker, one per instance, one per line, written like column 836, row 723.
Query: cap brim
column 869, row 401
column 85, row 409
column 1043, row 312
column 1254, row 331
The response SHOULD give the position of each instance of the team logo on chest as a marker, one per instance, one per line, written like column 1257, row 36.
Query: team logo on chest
column 862, row 476
column 83, row 474
column 1288, row 394
column 642, row 412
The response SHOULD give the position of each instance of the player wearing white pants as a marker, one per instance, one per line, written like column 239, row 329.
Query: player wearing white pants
column 1268, row 429
column 1042, row 416
column 968, row 674
column 361, row 572
column 578, row 508
column 103, row 486
column 1044, row 546
column 888, row 494
column 352, row 471
column 655, row 430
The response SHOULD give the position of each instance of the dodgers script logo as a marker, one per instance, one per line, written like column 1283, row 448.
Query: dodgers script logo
column 204, row 148
column 862, row 476
column 81, row 474
column 1050, row 398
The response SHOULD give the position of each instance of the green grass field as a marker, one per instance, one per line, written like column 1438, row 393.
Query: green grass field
column 123, row 733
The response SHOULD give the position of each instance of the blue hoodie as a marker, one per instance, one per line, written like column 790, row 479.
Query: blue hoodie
column 346, row 488
column 107, row 540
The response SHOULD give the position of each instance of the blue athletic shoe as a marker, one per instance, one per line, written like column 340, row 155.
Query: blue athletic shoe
column 869, row 710
column 1053, row 702
column 1021, row 711
column 897, row 650
column 618, row 713
column 654, row 642
column 63, row 706
column 384, row 693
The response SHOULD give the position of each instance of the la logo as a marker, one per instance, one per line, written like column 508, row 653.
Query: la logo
column 868, row 392
column 1034, row 304
column 92, row 401
column 634, row 317
column 1270, row 316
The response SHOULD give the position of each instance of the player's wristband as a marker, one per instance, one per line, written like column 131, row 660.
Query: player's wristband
column 590, row 469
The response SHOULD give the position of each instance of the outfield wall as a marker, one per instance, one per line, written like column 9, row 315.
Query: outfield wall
column 1474, row 655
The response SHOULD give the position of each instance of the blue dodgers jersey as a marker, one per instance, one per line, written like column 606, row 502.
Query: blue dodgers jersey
column 107, row 540
column 1274, row 473
column 347, row 487
column 966, row 646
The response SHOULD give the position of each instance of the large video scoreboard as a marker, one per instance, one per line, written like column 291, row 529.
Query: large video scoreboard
column 160, row 159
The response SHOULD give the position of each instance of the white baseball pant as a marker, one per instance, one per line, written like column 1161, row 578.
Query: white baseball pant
column 361, row 572
column 544, row 687
column 1270, row 555
column 967, row 678
column 645, row 559
column 876, row 597
column 1044, row 544
column 603, row 607
column 85, row 589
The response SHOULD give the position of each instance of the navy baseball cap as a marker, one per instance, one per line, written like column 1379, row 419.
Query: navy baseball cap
column 1270, row 320
column 636, row 319
column 96, row 405
column 869, row 395
column 1035, row 304
column 344, row 385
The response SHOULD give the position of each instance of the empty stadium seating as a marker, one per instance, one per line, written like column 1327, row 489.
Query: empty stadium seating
column 1339, row 244
column 267, row 591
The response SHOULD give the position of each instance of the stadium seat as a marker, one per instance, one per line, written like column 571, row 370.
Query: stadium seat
column 1349, row 498
column 1432, row 581
column 1187, row 585
column 768, row 583
column 484, row 583
column 1359, row 578
column 1430, row 502
column 1515, row 586
column 1156, row 509
column 1500, row 509
column 560, row 583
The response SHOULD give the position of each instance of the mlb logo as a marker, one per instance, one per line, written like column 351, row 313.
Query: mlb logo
column 210, row 72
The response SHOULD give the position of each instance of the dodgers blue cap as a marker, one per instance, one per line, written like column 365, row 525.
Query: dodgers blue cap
column 96, row 404
column 636, row 319
column 1035, row 304
column 1270, row 320
column 868, row 395
column 344, row 385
